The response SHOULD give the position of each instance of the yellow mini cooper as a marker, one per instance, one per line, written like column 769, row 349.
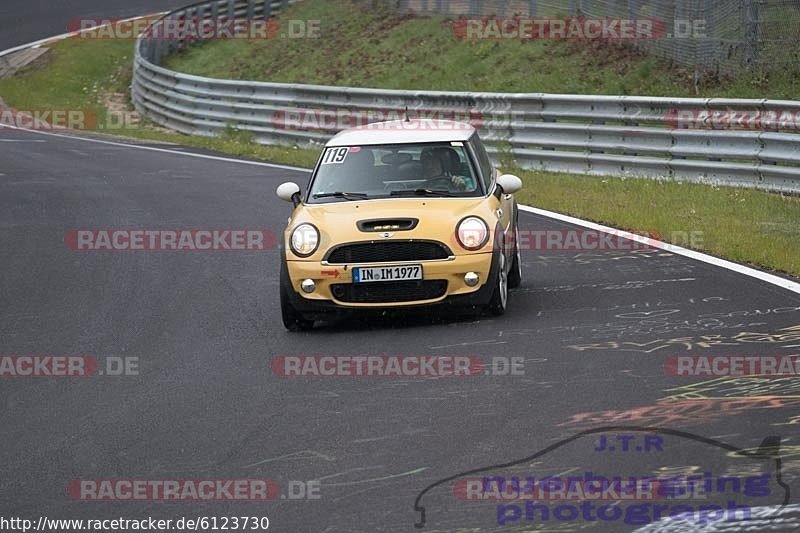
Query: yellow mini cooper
column 399, row 214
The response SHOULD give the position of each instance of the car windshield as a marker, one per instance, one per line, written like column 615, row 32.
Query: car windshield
column 348, row 173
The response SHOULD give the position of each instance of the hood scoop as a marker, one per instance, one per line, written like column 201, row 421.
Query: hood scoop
column 387, row 224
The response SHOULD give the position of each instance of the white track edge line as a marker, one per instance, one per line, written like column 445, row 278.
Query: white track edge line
column 164, row 150
column 715, row 261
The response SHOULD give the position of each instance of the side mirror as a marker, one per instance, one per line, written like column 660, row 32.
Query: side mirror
column 509, row 183
column 289, row 191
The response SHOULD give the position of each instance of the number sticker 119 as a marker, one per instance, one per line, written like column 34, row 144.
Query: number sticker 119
column 334, row 155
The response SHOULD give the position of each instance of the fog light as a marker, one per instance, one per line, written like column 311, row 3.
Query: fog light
column 308, row 285
column 471, row 279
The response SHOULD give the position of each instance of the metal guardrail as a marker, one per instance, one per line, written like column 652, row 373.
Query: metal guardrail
column 600, row 135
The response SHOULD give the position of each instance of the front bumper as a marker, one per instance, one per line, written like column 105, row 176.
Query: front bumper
column 451, row 271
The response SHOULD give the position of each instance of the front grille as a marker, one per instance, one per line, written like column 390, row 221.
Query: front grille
column 385, row 292
column 382, row 252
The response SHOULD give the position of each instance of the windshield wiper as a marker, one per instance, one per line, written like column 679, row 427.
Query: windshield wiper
column 421, row 192
column 340, row 194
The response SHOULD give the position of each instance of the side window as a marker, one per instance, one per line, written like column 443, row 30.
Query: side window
column 485, row 164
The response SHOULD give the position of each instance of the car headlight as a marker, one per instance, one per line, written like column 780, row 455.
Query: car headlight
column 304, row 240
column 472, row 233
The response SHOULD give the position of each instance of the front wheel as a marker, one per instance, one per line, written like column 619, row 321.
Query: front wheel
column 497, row 305
column 515, row 272
column 292, row 320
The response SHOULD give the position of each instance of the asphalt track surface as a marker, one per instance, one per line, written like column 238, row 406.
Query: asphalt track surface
column 23, row 21
column 594, row 330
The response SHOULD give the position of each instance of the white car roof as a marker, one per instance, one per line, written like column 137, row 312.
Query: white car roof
column 403, row 131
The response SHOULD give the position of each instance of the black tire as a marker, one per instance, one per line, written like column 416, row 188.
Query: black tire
column 292, row 320
column 497, row 305
column 515, row 273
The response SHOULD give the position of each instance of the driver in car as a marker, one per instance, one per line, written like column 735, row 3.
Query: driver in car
column 435, row 169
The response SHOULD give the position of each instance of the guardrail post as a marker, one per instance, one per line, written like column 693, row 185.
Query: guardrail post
column 184, row 33
column 633, row 9
column 751, row 16
column 571, row 8
column 476, row 8
column 214, row 12
column 677, row 15
column 154, row 51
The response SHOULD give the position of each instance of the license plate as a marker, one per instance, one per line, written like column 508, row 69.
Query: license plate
column 386, row 273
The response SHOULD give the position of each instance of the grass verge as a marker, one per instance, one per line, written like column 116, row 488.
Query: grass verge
column 362, row 47
column 95, row 75
column 746, row 226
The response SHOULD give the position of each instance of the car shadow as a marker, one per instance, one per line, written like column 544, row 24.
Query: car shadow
column 399, row 319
